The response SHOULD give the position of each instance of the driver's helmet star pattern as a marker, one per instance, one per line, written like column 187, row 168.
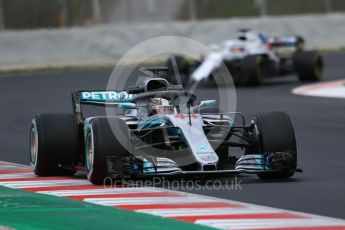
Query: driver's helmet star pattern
column 159, row 105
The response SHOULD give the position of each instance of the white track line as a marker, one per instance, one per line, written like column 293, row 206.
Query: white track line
column 45, row 183
column 206, row 211
column 98, row 191
column 14, row 164
column 146, row 200
column 17, row 175
column 7, row 167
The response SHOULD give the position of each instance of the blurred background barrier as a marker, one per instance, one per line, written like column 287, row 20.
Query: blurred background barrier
column 48, row 32
column 29, row 14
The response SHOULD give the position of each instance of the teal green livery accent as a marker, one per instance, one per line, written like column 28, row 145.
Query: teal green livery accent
column 127, row 105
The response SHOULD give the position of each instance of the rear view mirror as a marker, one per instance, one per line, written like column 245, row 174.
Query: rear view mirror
column 207, row 103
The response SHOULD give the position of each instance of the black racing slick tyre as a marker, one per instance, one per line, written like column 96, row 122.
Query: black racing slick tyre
column 100, row 143
column 54, row 144
column 308, row 65
column 251, row 71
column 276, row 134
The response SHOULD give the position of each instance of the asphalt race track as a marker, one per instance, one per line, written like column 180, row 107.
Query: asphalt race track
column 319, row 125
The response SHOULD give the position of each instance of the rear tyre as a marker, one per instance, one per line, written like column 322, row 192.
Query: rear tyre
column 276, row 134
column 54, row 144
column 308, row 65
column 101, row 143
column 252, row 70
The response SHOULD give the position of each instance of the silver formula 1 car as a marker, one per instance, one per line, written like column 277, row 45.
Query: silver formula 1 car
column 250, row 58
column 159, row 130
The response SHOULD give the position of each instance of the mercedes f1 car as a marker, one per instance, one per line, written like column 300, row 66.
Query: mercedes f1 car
column 250, row 58
column 158, row 129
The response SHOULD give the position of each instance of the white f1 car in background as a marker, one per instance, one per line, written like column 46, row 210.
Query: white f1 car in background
column 250, row 58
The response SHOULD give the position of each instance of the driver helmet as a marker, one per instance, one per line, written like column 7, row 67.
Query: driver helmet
column 159, row 105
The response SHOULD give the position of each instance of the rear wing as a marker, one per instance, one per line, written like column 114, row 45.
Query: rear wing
column 98, row 98
column 286, row 41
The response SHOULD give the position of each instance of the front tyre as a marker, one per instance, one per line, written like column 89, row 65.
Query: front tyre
column 308, row 65
column 54, row 144
column 276, row 134
column 100, row 143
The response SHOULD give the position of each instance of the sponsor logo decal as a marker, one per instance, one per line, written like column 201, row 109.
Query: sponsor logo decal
column 203, row 147
column 183, row 116
column 112, row 96
column 207, row 156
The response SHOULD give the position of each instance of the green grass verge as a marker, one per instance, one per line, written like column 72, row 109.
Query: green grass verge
column 26, row 210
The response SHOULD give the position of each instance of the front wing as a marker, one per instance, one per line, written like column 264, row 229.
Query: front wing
column 157, row 166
